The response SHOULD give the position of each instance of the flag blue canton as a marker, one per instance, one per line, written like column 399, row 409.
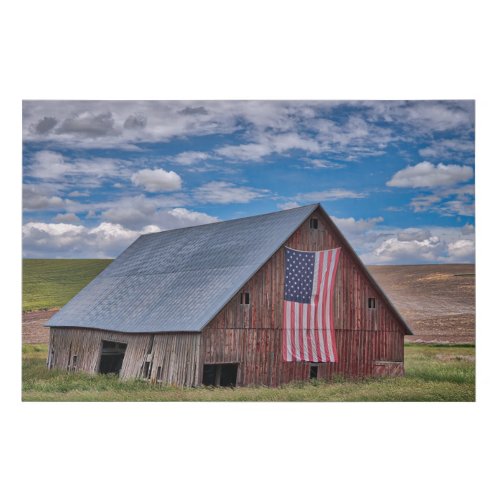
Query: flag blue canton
column 299, row 275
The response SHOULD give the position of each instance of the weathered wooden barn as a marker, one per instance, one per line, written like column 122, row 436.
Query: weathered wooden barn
column 204, row 305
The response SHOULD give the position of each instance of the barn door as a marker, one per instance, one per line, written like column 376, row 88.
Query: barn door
column 224, row 374
column 112, row 354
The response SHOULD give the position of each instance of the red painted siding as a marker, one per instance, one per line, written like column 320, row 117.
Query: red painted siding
column 251, row 334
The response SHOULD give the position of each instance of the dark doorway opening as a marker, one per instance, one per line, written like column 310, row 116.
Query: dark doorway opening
column 223, row 375
column 112, row 354
column 313, row 370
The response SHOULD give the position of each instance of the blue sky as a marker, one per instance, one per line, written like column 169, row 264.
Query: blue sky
column 397, row 177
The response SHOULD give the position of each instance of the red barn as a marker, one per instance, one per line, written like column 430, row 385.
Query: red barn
column 204, row 305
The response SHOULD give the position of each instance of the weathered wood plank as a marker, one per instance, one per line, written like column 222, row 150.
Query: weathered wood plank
column 178, row 354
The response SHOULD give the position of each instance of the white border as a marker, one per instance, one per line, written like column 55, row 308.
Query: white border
column 263, row 50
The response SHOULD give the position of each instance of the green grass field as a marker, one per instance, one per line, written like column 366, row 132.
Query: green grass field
column 49, row 283
column 433, row 373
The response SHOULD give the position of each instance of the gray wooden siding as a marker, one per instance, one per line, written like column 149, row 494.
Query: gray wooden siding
column 176, row 353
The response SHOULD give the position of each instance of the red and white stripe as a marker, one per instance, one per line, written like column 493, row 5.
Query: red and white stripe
column 308, row 329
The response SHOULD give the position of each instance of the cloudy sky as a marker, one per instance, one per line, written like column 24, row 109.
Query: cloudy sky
column 396, row 177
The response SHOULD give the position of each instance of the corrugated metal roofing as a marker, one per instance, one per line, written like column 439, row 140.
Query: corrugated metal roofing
column 177, row 280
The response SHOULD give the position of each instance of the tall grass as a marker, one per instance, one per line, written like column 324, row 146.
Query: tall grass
column 433, row 373
column 49, row 283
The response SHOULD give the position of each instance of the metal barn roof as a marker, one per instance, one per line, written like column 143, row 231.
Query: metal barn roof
column 177, row 280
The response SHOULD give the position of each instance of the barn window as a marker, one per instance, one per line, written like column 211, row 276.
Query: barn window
column 313, row 370
column 223, row 374
column 313, row 223
column 112, row 354
column 245, row 298
column 371, row 303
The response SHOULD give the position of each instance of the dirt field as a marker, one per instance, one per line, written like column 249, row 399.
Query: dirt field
column 33, row 329
column 437, row 302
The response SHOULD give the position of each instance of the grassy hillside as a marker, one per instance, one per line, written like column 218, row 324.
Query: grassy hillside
column 433, row 373
column 49, row 283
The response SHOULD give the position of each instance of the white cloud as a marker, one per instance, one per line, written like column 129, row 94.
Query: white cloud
column 422, row 116
column 69, row 218
column 226, row 192
column 457, row 207
column 432, row 244
column 190, row 157
column 138, row 211
column 69, row 240
column 181, row 217
column 131, row 212
column 318, row 163
column 351, row 226
column 463, row 192
column 119, row 122
column 268, row 125
column 304, row 127
column 245, row 152
column 106, row 231
column 79, row 194
column 414, row 234
column 287, row 205
column 358, row 231
column 106, row 240
column 51, row 166
column 467, row 229
column 48, row 164
column 377, row 243
column 426, row 174
column 448, row 148
column 219, row 169
column 394, row 250
column 353, row 137
column 268, row 144
column 329, row 194
column 125, row 124
column 424, row 202
column 88, row 124
column 41, row 197
column 447, row 201
column 462, row 249
column 436, row 116
column 157, row 180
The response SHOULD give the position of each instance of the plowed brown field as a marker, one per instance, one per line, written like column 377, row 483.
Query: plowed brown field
column 437, row 301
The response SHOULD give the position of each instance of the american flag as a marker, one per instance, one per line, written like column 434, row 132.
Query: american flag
column 308, row 330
